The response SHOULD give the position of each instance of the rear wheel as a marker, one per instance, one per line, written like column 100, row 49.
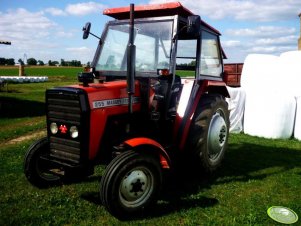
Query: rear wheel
column 210, row 131
column 130, row 184
column 36, row 170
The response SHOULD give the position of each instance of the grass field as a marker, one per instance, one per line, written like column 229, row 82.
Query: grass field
column 257, row 173
column 22, row 105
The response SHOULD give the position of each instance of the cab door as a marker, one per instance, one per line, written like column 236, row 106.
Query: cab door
column 210, row 57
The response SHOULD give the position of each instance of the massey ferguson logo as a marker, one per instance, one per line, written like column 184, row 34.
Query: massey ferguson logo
column 114, row 102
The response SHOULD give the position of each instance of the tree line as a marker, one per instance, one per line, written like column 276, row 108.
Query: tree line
column 33, row 61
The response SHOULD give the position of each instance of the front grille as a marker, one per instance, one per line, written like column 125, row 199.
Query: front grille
column 65, row 149
column 66, row 108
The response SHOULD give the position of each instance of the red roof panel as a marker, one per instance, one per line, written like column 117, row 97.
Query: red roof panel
column 154, row 10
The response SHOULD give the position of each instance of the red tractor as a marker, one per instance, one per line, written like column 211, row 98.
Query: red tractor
column 133, row 111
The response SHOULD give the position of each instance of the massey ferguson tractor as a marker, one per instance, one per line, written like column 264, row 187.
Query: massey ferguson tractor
column 134, row 111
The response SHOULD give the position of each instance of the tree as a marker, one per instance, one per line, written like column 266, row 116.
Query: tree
column 192, row 63
column 55, row 63
column 21, row 61
column 10, row 61
column 75, row 63
column 52, row 63
column 63, row 62
column 2, row 61
column 31, row 61
column 41, row 63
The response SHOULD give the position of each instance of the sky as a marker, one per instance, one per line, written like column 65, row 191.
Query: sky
column 52, row 29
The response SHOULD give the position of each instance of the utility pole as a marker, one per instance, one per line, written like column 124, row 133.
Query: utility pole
column 299, row 40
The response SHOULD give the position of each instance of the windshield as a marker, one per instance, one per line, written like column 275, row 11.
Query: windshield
column 153, row 46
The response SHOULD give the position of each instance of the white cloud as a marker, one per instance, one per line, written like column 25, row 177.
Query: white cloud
column 37, row 35
column 232, row 43
column 274, row 40
column 81, row 9
column 274, row 50
column 78, row 50
column 31, row 33
column 78, row 9
column 285, row 40
column 246, row 10
column 55, row 11
column 80, row 53
column 261, row 31
column 64, row 34
column 22, row 25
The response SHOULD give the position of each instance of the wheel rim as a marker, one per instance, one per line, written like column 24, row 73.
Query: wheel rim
column 136, row 187
column 217, row 135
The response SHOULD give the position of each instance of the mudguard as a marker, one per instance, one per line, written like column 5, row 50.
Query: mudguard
column 185, row 113
column 138, row 143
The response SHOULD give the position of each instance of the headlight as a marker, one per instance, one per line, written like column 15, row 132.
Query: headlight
column 73, row 132
column 53, row 128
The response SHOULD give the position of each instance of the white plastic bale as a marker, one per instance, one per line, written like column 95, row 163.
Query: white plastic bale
column 21, row 79
column 290, row 72
column 270, row 116
column 259, row 72
column 297, row 129
column 236, row 106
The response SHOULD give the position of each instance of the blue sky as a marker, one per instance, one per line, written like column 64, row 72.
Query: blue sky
column 52, row 29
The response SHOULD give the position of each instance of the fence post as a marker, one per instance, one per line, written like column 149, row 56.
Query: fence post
column 21, row 70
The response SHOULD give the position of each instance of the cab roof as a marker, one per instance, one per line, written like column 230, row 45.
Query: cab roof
column 154, row 10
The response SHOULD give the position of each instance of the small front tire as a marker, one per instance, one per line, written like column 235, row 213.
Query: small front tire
column 35, row 169
column 130, row 184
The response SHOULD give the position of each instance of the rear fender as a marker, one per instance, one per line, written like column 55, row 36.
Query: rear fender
column 183, row 120
column 147, row 144
column 217, row 87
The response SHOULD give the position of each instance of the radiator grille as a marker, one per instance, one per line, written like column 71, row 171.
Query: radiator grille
column 64, row 108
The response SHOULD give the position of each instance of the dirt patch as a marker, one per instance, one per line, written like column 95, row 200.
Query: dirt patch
column 26, row 137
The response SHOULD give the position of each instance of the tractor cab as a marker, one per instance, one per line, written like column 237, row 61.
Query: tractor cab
column 172, row 46
column 168, row 37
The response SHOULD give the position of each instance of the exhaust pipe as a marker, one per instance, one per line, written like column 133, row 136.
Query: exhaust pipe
column 131, row 61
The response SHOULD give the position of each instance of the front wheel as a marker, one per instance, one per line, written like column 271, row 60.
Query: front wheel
column 36, row 170
column 130, row 184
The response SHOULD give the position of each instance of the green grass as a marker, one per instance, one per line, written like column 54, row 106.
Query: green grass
column 257, row 173
column 40, row 71
column 183, row 73
column 22, row 108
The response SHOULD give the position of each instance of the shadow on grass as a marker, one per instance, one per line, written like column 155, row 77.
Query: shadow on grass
column 15, row 108
column 177, row 194
column 243, row 162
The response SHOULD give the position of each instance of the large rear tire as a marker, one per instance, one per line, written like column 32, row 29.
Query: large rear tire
column 209, row 132
column 36, row 170
column 130, row 184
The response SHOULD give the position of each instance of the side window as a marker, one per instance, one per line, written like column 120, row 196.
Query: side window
column 211, row 64
column 186, row 57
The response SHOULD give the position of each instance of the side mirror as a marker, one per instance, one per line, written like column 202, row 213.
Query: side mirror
column 194, row 25
column 86, row 30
